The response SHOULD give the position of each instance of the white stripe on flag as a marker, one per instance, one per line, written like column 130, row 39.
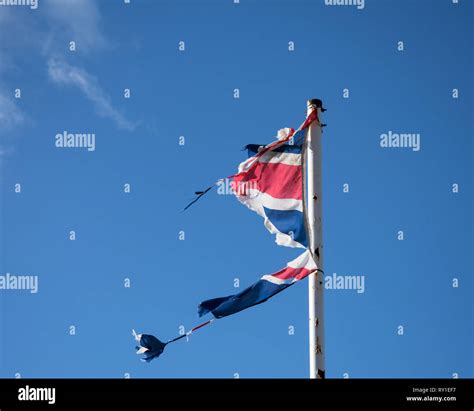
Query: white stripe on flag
column 304, row 260
column 256, row 199
column 290, row 159
column 278, row 281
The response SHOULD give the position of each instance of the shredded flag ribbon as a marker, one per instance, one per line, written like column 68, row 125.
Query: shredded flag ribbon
column 268, row 286
column 271, row 183
column 152, row 347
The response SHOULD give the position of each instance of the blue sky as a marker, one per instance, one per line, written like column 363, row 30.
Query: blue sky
column 190, row 93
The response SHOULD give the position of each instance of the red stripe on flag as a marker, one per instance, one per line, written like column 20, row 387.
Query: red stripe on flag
column 276, row 179
column 290, row 272
column 312, row 117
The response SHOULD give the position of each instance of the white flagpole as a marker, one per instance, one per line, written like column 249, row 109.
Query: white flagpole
column 314, row 214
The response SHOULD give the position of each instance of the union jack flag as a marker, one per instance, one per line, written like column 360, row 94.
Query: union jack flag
column 271, row 183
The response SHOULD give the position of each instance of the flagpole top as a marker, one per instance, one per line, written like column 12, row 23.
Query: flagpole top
column 316, row 103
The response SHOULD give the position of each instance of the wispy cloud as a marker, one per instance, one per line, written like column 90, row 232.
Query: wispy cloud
column 46, row 35
column 11, row 117
column 63, row 73
column 79, row 19
column 10, row 114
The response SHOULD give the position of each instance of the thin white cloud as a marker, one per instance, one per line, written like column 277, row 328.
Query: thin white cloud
column 80, row 19
column 10, row 114
column 47, row 34
column 63, row 73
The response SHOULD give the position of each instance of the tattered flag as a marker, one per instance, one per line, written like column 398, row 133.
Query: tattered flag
column 271, row 183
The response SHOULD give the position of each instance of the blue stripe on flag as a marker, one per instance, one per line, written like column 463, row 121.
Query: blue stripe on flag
column 287, row 222
column 252, row 149
column 257, row 293
column 299, row 137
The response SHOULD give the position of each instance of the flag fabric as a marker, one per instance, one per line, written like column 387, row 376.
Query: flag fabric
column 262, row 290
column 271, row 183
column 150, row 346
